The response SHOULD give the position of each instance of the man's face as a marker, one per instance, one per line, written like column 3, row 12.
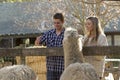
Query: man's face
column 57, row 23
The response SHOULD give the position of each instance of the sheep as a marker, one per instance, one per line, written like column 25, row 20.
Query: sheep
column 72, row 46
column 17, row 72
column 75, row 66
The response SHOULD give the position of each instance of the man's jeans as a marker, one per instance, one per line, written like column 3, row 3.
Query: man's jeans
column 52, row 75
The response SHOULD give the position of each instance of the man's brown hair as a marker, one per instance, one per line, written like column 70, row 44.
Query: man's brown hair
column 59, row 16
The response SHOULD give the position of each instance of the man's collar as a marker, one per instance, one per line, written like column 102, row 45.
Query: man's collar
column 54, row 30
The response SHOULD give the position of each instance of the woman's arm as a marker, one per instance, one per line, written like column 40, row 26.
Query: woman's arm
column 102, row 40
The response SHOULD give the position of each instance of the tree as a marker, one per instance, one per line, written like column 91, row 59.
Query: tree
column 104, row 10
column 39, row 13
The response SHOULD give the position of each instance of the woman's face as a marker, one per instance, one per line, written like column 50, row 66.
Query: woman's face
column 89, row 25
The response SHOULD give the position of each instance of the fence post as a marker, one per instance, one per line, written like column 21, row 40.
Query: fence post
column 112, row 39
column 22, row 58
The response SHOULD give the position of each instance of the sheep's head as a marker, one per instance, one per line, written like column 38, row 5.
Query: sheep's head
column 71, row 33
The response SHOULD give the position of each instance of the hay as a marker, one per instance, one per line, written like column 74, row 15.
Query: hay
column 37, row 63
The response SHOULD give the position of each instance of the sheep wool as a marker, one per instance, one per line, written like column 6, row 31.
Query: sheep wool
column 75, row 67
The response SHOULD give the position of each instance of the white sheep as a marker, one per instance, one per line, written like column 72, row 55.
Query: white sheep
column 75, row 68
column 17, row 72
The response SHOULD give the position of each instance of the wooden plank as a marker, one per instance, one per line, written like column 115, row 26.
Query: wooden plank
column 10, row 52
column 29, row 35
column 112, row 60
column 103, row 50
column 88, row 51
column 113, row 40
column 43, row 52
column 112, row 33
column 112, row 70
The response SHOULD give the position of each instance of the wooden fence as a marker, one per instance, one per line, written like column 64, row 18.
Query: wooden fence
column 92, row 50
column 87, row 51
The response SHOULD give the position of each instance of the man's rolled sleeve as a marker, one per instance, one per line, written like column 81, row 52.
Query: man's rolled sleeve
column 43, row 38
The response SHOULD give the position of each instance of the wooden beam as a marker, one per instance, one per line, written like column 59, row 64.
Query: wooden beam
column 10, row 52
column 29, row 35
column 43, row 51
column 113, row 70
column 112, row 60
column 112, row 40
column 112, row 33
column 101, row 51
column 87, row 51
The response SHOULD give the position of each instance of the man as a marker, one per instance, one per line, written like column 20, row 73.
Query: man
column 17, row 72
column 53, row 38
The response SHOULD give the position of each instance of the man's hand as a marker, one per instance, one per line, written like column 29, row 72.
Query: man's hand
column 37, row 41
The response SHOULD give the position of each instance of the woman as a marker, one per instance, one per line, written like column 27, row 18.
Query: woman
column 95, row 37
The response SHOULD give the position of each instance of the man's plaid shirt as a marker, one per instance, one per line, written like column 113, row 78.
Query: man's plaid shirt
column 51, row 39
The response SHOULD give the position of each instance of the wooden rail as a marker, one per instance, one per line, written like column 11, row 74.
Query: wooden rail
column 87, row 51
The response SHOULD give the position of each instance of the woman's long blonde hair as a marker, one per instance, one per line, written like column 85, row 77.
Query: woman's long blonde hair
column 97, row 28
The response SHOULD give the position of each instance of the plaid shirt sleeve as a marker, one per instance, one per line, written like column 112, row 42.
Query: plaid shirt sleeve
column 43, row 38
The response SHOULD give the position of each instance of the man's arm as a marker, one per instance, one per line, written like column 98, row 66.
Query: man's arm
column 41, row 39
